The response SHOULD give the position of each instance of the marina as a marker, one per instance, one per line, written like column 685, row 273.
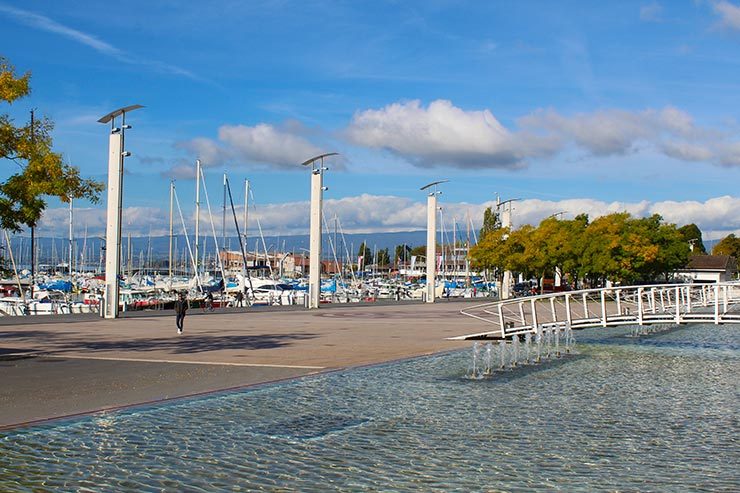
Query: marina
column 388, row 246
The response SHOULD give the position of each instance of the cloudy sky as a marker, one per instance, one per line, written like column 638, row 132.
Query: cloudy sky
column 573, row 106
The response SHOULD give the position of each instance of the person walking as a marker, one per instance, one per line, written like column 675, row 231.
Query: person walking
column 181, row 306
column 239, row 299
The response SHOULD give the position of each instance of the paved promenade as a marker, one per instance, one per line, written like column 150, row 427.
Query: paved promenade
column 51, row 368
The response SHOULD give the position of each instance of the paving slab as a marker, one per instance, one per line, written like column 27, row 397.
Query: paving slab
column 56, row 369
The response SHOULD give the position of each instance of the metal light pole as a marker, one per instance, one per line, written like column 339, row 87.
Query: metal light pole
column 116, row 155
column 317, row 192
column 432, row 237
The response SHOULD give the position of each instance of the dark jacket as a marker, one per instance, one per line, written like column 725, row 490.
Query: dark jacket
column 181, row 306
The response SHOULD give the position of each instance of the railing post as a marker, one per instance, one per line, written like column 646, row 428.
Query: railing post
column 521, row 313
column 501, row 318
column 716, row 304
column 724, row 297
column 688, row 299
column 639, row 306
column 568, row 316
column 652, row 301
column 603, row 308
column 619, row 301
column 552, row 309
column 534, row 312
column 678, row 305
column 662, row 301
column 585, row 306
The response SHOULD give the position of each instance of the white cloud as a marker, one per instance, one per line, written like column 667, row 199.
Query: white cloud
column 686, row 151
column 261, row 144
column 365, row 213
column 443, row 134
column 610, row 132
column 264, row 143
column 729, row 14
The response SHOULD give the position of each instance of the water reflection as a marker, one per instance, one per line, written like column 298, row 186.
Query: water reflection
column 647, row 413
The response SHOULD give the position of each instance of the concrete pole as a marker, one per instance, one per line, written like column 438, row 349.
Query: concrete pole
column 505, row 291
column 314, row 281
column 113, row 224
column 431, row 245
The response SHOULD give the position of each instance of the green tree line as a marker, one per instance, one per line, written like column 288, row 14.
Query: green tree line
column 616, row 247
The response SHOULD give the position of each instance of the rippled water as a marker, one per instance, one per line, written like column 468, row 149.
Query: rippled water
column 655, row 413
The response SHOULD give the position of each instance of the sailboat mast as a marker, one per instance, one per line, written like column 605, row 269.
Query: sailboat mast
column 246, row 209
column 223, row 219
column 172, row 190
column 71, row 239
column 197, row 213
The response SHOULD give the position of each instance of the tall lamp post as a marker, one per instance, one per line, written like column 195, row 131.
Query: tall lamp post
column 432, row 237
column 505, row 217
column 116, row 155
column 317, row 192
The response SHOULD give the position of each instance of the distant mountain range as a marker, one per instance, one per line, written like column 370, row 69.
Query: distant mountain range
column 157, row 247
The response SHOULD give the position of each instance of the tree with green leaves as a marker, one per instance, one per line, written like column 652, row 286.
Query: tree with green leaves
column 615, row 247
column 39, row 171
column 491, row 222
column 691, row 234
column 729, row 245
column 365, row 253
column 383, row 259
column 419, row 251
column 402, row 254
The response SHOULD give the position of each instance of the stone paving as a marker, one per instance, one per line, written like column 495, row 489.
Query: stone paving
column 62, row 367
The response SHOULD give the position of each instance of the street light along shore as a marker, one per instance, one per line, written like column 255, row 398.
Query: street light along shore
column 317, row 193
column 116, row 155
column 432, row 237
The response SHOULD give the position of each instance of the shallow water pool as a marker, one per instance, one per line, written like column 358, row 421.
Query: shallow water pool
column 654, row 413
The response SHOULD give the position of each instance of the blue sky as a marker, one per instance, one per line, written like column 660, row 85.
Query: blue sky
column 578, row 106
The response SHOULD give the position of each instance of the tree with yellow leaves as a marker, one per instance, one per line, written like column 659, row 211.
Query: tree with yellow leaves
column 40, row 172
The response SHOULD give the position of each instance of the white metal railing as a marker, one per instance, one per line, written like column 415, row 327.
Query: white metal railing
column 620, row 305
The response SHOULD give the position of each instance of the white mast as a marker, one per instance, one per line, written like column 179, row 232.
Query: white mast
column 197, row 213
column 71, row 239
column 246, row 209
column 172, row 197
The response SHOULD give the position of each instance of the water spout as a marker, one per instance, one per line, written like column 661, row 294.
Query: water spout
column 476, row 350
column 502, row 353
column 514, row 351
column 527, row 347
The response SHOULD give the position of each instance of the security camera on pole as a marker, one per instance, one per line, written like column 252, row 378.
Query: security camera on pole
column 116, row 155
column 432, row 238
column 317, row 192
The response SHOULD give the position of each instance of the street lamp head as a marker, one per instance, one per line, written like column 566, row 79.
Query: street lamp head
column 120, row 111
column 320, row 157
column 434, row 184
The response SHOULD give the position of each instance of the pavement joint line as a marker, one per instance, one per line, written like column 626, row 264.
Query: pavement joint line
column 216, row 363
